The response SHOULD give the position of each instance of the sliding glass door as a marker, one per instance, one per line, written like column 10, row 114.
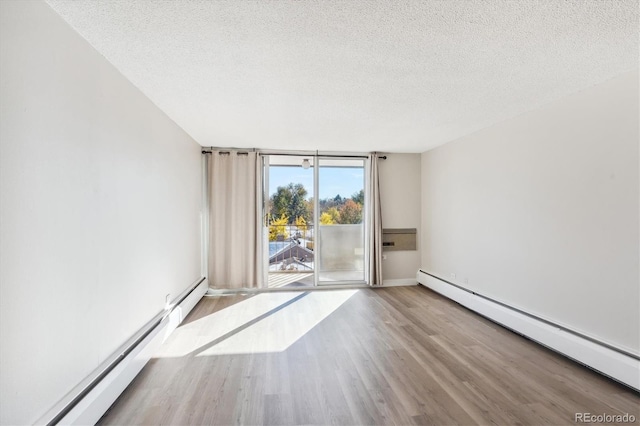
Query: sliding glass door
column 314, row 209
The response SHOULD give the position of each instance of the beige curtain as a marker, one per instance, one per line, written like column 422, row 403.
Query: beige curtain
column 235, row 254
column 374, row 228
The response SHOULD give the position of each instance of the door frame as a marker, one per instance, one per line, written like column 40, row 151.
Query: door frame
column 316, row 156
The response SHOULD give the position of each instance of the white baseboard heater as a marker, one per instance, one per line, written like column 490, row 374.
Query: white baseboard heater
column 89, row 400
column 620, row 365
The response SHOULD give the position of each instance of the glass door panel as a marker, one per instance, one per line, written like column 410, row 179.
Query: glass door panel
column 340, row 206
column 289, row 221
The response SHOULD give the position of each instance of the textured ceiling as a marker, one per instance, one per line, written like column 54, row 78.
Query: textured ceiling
column 397, row 76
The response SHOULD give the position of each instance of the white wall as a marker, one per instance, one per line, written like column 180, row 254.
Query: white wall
column 400, row 198
column 541, row 212
column 99, row 211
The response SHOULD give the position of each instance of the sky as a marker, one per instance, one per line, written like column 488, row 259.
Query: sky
column 343, row 181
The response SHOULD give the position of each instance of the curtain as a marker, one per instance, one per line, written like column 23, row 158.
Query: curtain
column 235, row 254
column 374, row 228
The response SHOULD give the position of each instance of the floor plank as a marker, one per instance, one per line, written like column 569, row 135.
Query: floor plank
column 390, row 356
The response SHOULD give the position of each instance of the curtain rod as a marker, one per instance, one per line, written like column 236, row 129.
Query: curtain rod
column 383, row 157
column 240, row 151
column 226, row 152
column 245, row 151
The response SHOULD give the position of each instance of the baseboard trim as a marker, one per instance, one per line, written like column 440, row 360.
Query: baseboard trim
column 601, row 358
column 94, row 403
column 399, row 282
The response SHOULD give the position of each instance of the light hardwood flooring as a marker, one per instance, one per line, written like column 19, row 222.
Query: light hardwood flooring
column 401, row 355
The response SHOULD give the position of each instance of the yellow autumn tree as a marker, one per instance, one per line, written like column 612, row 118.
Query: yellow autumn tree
column 301, row 224
column 279, row 227
column 326, row 219
column 334, row 213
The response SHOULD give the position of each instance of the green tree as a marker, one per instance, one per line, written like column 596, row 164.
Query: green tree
column 327, row 203
column 350, row 212
column 290, row 201
column 358, row 197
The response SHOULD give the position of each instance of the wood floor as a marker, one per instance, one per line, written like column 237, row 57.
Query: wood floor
column 401, row 355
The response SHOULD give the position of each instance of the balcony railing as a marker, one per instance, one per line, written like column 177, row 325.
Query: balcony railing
column 291, row 248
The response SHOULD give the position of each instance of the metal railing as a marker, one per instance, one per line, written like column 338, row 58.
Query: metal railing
column 291, row 248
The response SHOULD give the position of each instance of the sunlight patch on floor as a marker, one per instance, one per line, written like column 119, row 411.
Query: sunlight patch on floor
column 267, row 322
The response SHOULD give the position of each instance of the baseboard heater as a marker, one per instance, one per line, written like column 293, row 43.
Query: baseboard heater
column 618, row 364
column 89, row 400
